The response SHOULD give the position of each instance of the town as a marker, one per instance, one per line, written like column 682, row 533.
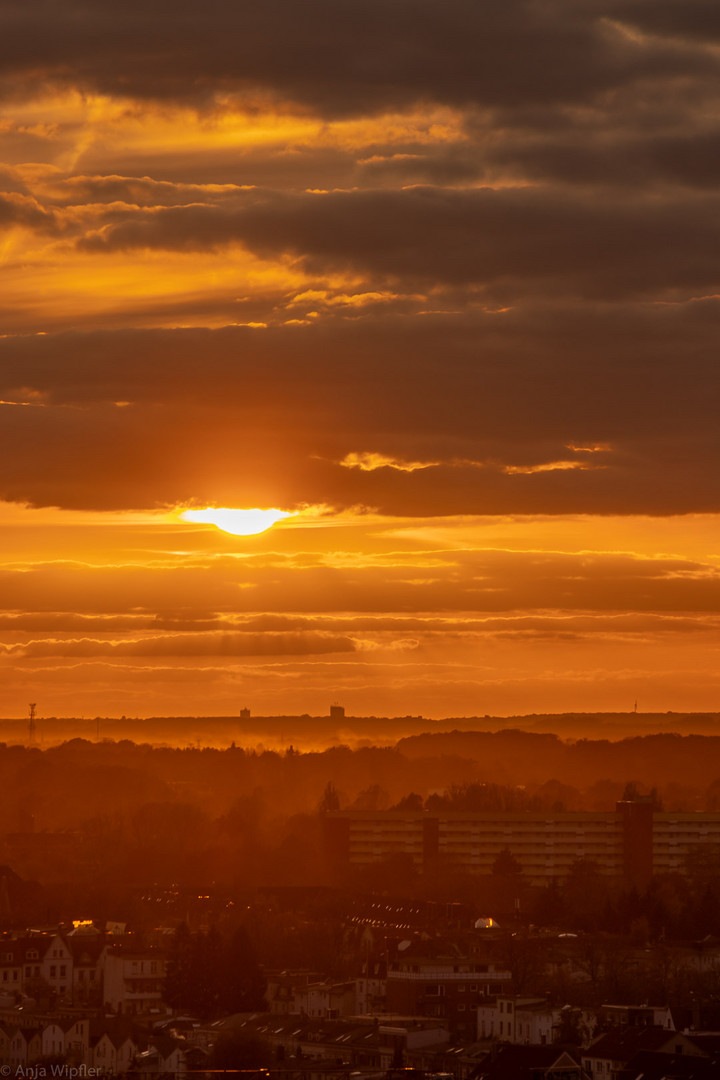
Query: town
column 168, row 911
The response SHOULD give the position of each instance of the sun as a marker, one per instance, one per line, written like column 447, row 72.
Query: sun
column 238, row 521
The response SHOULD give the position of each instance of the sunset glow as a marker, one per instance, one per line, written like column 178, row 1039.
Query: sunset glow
column 448, row 280
column 239, row 522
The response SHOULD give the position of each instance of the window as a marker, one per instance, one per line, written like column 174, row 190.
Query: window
column 53, row 971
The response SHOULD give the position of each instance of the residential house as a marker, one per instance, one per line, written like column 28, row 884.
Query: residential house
column 529, row 1063
column 610, row 1053
column 113, row 1049
column 11, row 966
column 25, row 1047
column 134, row 980
column 657, row 1066
column 436, row 979
column 57, row 965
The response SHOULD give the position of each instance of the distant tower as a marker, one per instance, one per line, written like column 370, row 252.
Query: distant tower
column 31, row 723
column 635, row 709
column 337, row 712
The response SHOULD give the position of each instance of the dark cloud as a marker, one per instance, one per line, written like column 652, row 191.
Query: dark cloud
column 514, row 241
column 355, row 57
column 265, row 417
column 19, row 209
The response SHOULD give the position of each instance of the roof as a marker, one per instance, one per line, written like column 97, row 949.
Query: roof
column 650, row 1065
column 520, row 1062
column 623, row 1043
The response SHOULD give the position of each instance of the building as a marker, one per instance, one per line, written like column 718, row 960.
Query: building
column 633, row 842
column 523, row 1020
column 609, row 1054
column 443, row 983
column 530, row 1063
column 133, row 981
column 307, row 994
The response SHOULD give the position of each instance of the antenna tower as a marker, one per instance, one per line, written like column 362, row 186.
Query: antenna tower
column 31, row 723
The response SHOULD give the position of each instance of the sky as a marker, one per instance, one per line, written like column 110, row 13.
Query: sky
column 438, row 281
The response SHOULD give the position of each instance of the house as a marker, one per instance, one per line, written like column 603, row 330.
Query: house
column 653, row 1066
column 637, row 1015
column 113, row 1054
column 134, row 979
column 88, row 961
column 529, row 1063
column 56, row 966
column 11, row 965
column 439, row 980
column 370, row 993
column 5, row 1036
column 52, row 1039
column 77, row 1040
column 163, row 1055
column 25, row 1047
column 609, row 1054
column 517, row 1020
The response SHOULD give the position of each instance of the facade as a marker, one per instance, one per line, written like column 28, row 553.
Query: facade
column 113, row 1054
column 447, row 987
column 300, row 994
column 133, row 981
column 528, row 1021
column 633, row 842
column 57, row 965
column 678, row 835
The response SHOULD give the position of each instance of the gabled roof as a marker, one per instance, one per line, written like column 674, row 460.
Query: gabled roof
column 117, row 1028
column 621, row 1044
column 650, row 1065
column 520, row 1062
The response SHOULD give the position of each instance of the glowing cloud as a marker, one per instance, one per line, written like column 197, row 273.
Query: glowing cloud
column 238, row 521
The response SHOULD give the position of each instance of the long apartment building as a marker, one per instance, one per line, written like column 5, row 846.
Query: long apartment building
column 633, row 842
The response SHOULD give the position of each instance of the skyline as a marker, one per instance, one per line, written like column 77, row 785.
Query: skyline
column 437, row 284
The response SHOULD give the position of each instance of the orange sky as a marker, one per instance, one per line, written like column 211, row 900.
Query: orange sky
column 439, row 282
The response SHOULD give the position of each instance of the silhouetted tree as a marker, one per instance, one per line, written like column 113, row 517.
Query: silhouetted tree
column 242, row 984
column 179, row 972
column 330, row 799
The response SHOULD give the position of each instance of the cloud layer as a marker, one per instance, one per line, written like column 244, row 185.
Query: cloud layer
column 443, row 276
